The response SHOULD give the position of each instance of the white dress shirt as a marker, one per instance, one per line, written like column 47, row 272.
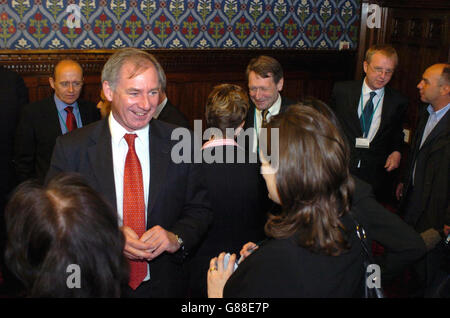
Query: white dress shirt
column 377, row 100
column 273, row 110
column 119, row 152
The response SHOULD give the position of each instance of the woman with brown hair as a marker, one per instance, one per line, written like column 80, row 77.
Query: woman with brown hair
column 313, row 250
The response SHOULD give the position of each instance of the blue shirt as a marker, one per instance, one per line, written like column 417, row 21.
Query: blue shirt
column 433, row 120
column 62, row 114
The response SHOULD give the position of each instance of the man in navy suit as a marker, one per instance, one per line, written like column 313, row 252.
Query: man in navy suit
column 177, row 211
column 43, row 121
column 372, row 114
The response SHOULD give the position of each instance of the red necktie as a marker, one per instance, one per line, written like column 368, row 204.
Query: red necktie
column 134, row 206
column 71, row 122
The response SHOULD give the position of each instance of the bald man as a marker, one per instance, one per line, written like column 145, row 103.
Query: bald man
column 42, row 122
column 426, row 187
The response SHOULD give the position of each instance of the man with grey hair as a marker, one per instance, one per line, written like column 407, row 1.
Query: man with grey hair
column 162, row 206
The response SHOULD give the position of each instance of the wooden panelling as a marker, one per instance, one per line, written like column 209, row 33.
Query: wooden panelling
column 191, row 74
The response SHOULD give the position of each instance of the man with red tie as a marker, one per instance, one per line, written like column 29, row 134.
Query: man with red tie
column 162, row 206
column 42, row 122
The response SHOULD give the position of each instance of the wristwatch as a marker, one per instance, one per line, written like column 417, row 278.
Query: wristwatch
column 180, row 241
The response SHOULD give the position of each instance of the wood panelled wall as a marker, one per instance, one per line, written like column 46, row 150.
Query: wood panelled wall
column 419, row 30
column 191, row 74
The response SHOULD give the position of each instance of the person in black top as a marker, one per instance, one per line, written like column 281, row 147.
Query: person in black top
column 313, row 250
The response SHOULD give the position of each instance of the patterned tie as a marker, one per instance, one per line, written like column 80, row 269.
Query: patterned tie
column 71, row 122
column 366, row 116
column 264, row 117
column 134, row 206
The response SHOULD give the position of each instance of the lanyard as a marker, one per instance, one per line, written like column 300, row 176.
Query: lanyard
column 373, row 113
column 62, row 119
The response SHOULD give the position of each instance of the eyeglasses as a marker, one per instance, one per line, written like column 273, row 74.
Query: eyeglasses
column 380, row 70
column 76, row 84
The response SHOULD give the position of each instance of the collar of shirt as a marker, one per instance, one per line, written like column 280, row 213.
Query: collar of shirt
column 60, row 105
column 273, row 110
column 117, row 132
column 160, row 108
column 439, row 114
column 367, row 90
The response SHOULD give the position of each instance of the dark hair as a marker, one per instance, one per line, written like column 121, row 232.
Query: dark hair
column 265, row 66
column 313, row 181
column 64, row 223
column 226, row 107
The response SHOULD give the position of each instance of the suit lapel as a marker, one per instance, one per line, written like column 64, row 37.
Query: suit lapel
column 51, row 117
column 159, row 161
column 100, row 159
column 439, row 129
column 84, row 113
column 386, row 110
column 353, row 104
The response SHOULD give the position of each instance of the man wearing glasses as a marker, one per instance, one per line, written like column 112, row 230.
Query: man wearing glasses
column 372, row 115
column 42, row 122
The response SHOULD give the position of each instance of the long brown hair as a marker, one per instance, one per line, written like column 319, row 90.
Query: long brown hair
column 313, row 181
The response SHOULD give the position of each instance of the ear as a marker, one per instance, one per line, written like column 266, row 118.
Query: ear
column 444, row 90
column 107, row 91
column 52, row 82
column 365, row 66
column 280, row 84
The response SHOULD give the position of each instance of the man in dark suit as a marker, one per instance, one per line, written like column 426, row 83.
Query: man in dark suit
column 371, row 115
column 166, row 111
column 265, row 82
column 163, row 206
column 13, row 95
column 426, row 184
column 43, row 121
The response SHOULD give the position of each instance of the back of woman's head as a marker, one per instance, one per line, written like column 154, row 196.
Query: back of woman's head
column 313, row 180
column 226, row 107
column 62, row 224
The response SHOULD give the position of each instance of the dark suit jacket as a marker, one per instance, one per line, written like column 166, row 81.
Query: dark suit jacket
column 403, row 245
column 389, row 137
column 36, row 135
column 171, row 114
column 177, row 201
column 280, row 268
column 429, row 199
column 238, row 198
column 13, row 95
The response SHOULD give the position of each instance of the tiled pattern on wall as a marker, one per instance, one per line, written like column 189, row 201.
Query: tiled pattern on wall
column 101, row 24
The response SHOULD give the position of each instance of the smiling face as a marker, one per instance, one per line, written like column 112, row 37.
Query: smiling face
column 134, row 100
column 67, row 81
column 379, row 70
column 263, row 91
